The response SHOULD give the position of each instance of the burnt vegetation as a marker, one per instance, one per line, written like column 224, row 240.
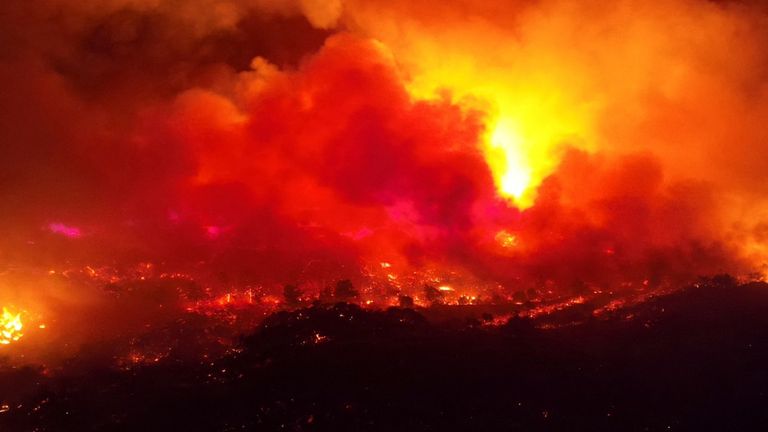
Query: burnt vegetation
column 691, row 360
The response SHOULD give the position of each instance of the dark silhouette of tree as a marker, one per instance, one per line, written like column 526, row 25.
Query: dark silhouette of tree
column 579, row 287
column 326, row 295
column 192, row 290
column 520, row 327
column 519, row 297
column 345, row 291
column 724, row 280
column 433, row 295
column 292, row 295
column 405, row 301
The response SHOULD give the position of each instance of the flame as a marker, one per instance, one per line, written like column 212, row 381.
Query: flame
column 396, row 150
column 10, row 327
column 529, row 119
column 512, row 172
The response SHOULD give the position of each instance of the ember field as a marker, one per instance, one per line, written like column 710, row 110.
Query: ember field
column 691, row 360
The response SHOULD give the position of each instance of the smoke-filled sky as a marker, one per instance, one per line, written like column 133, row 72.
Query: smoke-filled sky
column 282, row 141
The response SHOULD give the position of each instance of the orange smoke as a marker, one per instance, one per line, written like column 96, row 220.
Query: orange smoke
column 465, row 144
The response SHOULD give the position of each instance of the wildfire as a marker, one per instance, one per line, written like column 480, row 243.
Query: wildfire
column 512, row 172
column 528, row 120
column 10, row 327
column 445, row 153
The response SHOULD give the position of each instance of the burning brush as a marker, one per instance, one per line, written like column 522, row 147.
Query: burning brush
column 175, row 175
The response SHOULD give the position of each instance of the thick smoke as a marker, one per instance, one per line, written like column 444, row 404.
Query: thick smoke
column 282, row 142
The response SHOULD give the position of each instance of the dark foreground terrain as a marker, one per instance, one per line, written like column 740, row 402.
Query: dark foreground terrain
column 694, row 360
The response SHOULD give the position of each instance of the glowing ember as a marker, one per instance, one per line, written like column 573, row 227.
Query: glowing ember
column 10, row 327
column 505, row 239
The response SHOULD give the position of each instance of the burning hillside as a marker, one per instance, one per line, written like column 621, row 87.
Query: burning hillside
column 173, row 173
column 690, row 360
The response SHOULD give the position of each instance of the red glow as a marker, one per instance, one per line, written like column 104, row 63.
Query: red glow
column 537, row 156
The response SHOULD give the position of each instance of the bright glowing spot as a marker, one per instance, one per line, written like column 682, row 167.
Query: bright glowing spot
column 535, row 108
column 10, row 327
column 505, row 239
column 445, row 288
column 507, row 160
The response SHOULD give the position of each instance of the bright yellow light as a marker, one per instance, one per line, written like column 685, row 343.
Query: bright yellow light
column 513, row 175
column 526, row 126
column 10, row 327
column 536, row 102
